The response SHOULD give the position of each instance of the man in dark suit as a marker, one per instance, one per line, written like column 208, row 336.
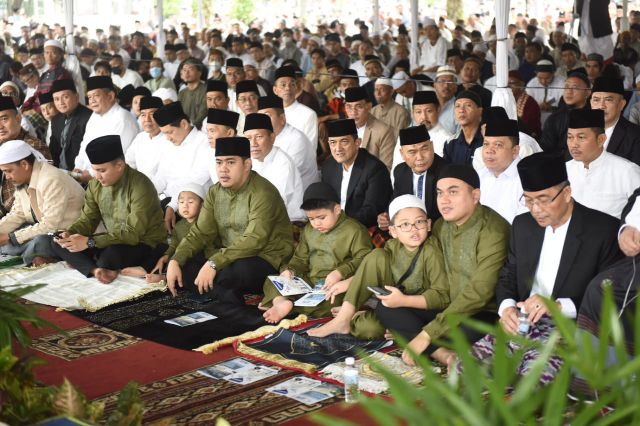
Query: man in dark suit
column 624, row 140
column 419, row 172
column 542, row 263
column 554, row 252
column 67, row 128
column 361, row 179
column 138, row 51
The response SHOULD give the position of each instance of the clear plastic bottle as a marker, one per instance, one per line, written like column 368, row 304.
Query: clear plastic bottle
column 350, row 380
column 523, row 322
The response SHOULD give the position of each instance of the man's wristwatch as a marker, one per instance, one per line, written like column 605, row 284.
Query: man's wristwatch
column 91, row 243
column 211, row 264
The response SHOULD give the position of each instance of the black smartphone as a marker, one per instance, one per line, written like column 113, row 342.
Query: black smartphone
column 56, row 234
column 379, row 290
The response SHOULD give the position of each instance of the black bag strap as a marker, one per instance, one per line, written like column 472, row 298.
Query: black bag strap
column 410, row 270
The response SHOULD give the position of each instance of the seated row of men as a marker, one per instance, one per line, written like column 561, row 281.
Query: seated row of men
column 239, row 232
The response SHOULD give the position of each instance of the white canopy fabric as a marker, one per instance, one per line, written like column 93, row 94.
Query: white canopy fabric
column 414, row 55
column 503, row 96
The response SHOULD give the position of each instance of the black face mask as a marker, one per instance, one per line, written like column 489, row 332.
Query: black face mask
column 116, row 70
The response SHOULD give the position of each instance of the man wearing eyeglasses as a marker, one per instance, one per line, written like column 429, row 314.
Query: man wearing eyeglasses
column 622, row 136
column 554, row 251
column 599, row 180
column 247, row 95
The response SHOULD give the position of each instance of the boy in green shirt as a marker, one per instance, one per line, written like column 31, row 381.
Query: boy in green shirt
column 330, row 250
column 409, row 270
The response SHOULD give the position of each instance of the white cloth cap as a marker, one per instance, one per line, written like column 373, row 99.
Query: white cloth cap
column 54, row 43
column 9, row 84
column 193, row 187
column 405, row 202
column 165, row 93
column 316, row 39
column 16, row 150
column 427, row 21
column 399, row 79
column 384, row 81
column 446, row 70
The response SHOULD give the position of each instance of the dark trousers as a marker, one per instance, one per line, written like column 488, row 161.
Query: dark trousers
column 244, row 276
column 114, row 257
column 409, row 322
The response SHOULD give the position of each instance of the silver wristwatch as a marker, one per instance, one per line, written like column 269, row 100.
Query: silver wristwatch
column 211, row 264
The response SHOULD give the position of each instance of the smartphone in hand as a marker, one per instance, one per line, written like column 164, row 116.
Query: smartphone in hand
column 379, row 291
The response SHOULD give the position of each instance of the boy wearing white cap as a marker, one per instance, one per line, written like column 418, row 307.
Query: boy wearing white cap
column 409, row 273
column 47, row 199
column 190, row 199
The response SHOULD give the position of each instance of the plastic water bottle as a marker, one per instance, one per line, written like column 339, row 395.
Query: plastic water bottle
column 350, row 380
column 523, row 323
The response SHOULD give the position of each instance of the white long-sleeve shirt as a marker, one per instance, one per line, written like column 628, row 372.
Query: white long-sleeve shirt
column 502, row 193
column 434, row 56
column 116, row 121
column 278, row 168
column 179, row 164
column 130, row 77
column 297, row 146
column 145, row 152
column 304, row 119
column 606, row 185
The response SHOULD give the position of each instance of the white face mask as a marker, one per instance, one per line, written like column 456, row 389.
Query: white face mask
column 215, row 66
column 286, row 40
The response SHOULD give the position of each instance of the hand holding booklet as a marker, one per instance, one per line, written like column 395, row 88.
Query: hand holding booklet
column 313, row 296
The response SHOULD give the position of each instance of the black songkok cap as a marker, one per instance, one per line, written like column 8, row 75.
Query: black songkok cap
column 468, row 94
column 580, row 73
column 425, row 97
column 499, row 124
column 60, row 85
column 331, row 63
column 125, row 96
column 141, row 91
column 257, row 121
column 45, row 98
column 36, row 51
column 285, row 72
column 104, row 149
column 169, row 114
column 270, row 102
column 454, row 52
column 583, row 118
column 6, row 103
column 319, row 191
column 234, row 146
column 149, row 102
column 180, row 46
column 463, row 172
column 355, row 94
column 339, row 128
column 609, row 85
column 570, row 46
column 217, row 86
column 223, row 117
column 247, row 86
column 349, row 73
column 170, row 47
column 414, row 135
column 99, row 82
column 332, row 37
column 234, row 62
column 542, row 170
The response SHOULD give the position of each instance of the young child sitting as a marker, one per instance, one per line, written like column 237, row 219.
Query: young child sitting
column 190, row 200
column 330, row 250
column 409, row 267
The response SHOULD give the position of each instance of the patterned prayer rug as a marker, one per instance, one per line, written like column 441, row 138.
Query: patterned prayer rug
column 193, row 399
column 82, row 342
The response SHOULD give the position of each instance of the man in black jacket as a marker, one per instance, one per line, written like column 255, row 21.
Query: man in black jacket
column 361, row 179
column 554, row 252
column 419, row 172
column 67, row 128
column 623, row 137
column 575, row 96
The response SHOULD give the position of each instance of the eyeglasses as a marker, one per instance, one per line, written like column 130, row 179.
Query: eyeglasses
column 406, row 226
column 541, row 202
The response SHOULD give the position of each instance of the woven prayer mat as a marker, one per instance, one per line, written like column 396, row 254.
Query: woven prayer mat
column 145, row 318
column 193, row 399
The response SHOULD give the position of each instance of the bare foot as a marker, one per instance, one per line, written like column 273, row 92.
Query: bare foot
column 105, row 276
column 134, row 271
column 39, row 261
column 262, row 307
column 334, row 326
column 278, row 311
column 154, row 278
column 444, row 356
column 335, row 311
